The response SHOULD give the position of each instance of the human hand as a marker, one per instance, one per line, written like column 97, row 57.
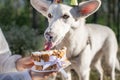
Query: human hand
column 24, row 63
column 41, row 75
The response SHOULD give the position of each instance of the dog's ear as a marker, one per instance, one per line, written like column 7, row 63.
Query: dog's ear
column 41, row 6
column 87, row 8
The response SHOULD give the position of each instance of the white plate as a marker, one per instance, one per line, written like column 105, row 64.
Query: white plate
column 66, row 64
column 57, row 70
column 33, row 69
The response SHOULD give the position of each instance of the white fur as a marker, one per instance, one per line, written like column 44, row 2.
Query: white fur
column 74, row 34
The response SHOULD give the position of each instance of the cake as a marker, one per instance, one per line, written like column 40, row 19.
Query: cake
column 48, row 60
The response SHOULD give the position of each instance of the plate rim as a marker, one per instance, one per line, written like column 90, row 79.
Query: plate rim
column 33, row 69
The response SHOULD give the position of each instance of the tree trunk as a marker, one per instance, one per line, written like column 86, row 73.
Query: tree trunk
column 34, row 19
column 94, row 20
column 118, row 21
column 109, row 13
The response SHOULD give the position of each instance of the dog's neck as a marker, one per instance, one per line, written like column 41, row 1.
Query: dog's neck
column 75, row 40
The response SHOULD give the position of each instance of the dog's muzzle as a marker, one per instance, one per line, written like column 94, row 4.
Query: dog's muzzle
column 49, row 36
column 49, row 40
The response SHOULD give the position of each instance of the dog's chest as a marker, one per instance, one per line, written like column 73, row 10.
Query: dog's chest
column 74, row 48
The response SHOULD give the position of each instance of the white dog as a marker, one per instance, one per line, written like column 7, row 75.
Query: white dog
column 86, row 43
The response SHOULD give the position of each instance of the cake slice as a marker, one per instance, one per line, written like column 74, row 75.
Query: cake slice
column 48, row 60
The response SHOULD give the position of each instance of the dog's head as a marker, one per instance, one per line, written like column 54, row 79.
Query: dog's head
column 62, row 17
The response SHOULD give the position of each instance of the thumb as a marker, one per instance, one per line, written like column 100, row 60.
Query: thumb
column 28, row 60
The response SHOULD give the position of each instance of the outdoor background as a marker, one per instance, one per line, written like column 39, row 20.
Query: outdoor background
column 23, row 26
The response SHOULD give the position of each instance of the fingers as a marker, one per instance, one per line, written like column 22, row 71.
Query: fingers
column 42, row 75
column 28, row 60
column 51, row 74
column 45, row 77
column 24, row 63
column 27, row 66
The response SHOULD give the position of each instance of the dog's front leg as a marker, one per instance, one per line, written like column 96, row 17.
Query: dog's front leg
column 85, row 59
column 69, row 74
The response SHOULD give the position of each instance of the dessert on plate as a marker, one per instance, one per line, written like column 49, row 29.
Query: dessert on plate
column 50, row 60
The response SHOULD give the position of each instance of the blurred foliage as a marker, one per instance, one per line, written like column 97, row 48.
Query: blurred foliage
column 17, row 18
column 16, row 23
column 14, row 13
column 42, row 24
column 22, row 40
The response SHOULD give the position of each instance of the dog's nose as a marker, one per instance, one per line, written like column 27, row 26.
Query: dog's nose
column 49, row 35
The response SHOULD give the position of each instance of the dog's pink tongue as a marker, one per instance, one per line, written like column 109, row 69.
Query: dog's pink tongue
column 48, row 45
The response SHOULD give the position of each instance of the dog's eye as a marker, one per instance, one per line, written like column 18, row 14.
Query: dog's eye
column 65, row 16
column 49, row 15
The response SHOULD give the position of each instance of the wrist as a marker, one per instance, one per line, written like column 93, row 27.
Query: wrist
column 26, row 75
column 33, row 76
column 36, row 76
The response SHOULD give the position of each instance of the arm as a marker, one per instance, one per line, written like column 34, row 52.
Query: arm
column 15, row 76
column 26, row 75
column 9, row 64
column 7, row 61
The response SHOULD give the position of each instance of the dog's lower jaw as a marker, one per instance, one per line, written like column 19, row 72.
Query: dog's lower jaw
column 52, row 45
